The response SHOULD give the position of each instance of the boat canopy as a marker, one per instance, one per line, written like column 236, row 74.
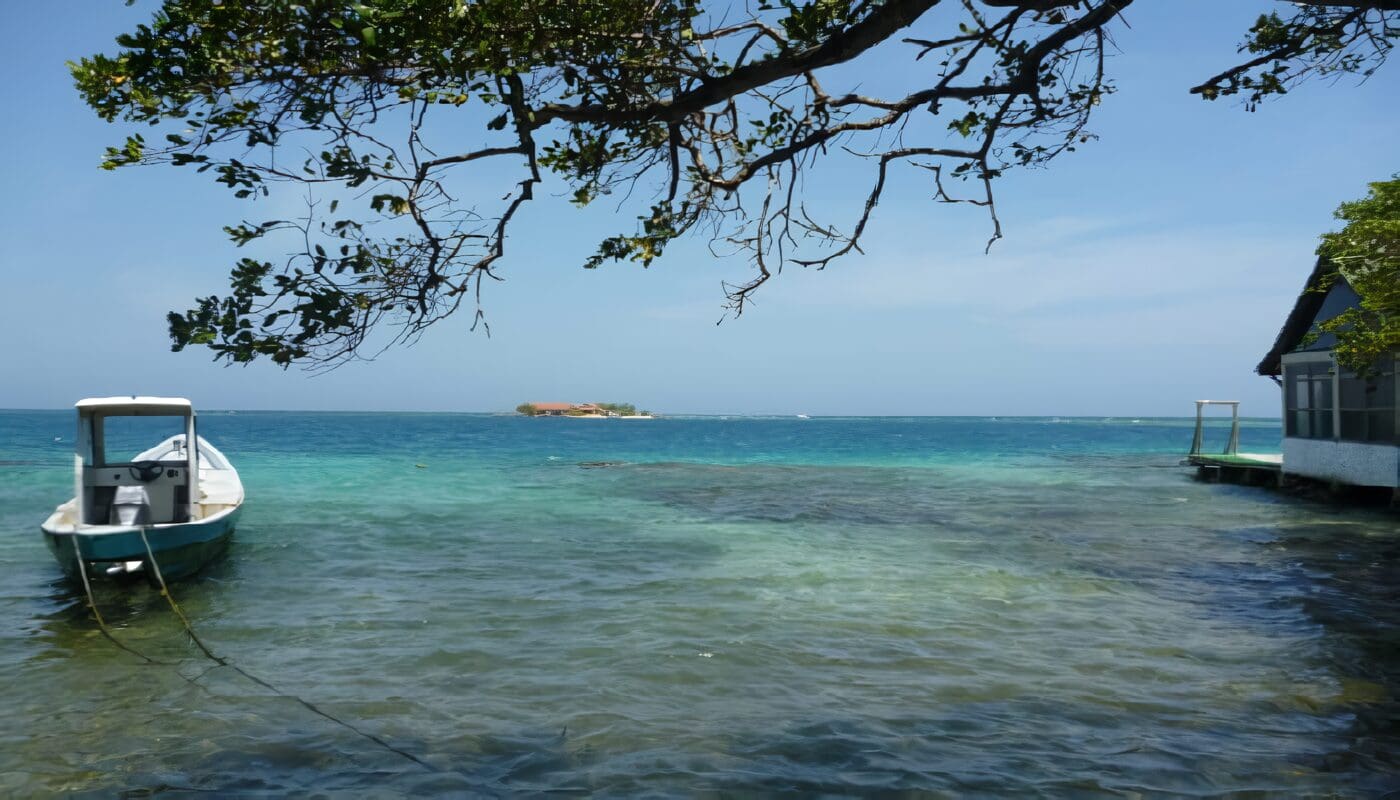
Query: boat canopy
column 135, row 406
column 163, row 481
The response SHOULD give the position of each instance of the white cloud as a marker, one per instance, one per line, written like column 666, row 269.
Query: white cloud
column 1075, row 269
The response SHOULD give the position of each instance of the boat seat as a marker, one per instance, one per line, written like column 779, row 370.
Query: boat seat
column 131, row 505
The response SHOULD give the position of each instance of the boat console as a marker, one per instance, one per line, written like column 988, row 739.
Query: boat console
column 159, row 489
column 156, row 487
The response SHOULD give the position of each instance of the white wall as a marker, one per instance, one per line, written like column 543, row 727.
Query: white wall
column 1352, row 462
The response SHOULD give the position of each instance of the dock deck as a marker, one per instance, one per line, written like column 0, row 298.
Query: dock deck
column 1250, row 469
column 1267, row 461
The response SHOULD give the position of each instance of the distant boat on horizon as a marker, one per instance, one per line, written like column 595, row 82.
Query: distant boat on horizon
column 803, row 416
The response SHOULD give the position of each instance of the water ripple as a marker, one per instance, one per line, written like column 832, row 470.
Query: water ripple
column 845, row 607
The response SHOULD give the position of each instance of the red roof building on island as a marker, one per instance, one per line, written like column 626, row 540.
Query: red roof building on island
column 566, row 410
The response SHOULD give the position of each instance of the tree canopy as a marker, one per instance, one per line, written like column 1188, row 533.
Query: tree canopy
column 401, row 117
column 1366, row 251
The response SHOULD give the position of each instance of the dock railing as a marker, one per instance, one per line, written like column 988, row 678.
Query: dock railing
column 1198, row 441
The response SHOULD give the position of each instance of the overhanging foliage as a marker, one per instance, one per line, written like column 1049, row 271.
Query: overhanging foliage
column 399, row 116
column 1366, row 251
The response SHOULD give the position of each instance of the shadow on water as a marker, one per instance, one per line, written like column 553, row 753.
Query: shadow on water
column 530, row 762
column 794, row 494
column 126, row 597
column 965, row 752
column 131, row 605
column 1355, row 597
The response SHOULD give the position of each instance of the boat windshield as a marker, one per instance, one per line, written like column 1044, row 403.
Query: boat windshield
column 126, row 437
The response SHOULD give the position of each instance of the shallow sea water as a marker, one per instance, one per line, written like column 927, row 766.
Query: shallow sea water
column 702, row 606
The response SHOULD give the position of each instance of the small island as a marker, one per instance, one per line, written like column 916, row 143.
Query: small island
column 583, row 410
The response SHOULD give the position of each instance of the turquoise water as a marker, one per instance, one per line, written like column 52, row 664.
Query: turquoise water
column 708, row 606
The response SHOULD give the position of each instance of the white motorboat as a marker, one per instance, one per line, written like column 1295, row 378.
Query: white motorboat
column 173, row 502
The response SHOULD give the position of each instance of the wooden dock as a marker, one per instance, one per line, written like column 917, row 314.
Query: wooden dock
column 1232, row 466
column 1266, row 469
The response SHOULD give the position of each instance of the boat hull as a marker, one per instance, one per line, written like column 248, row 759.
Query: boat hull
column 180, row 549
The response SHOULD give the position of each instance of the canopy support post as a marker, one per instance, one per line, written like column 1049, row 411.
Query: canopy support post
column 1232, row 447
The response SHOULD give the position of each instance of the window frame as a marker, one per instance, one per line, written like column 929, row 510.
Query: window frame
column 1318, row 407
column 1374, row 405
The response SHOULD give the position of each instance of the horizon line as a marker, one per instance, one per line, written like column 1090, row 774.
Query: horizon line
column 777, row 414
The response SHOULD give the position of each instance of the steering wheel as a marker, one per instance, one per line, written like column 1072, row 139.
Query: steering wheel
column 145, row 471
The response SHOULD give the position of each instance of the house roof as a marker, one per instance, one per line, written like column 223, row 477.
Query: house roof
column 553, row 406
column 1300, row 319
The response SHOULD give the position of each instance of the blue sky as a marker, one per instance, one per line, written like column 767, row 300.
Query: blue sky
column 1149, row 269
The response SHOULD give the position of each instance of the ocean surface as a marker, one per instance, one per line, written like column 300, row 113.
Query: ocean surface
column 711, row 606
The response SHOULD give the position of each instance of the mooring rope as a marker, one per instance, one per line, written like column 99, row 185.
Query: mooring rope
column 101, row 623
column 223, row 662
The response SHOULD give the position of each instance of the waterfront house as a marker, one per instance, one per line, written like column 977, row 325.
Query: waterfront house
column 1337, row 426
column 552, row 409
column 569, row 410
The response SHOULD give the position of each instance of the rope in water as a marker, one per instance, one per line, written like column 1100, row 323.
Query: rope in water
column 223, row 662
column 101, row 623
column 218, row 660
column 107, row 632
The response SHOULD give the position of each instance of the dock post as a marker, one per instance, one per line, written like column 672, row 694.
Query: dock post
column 1233, row 448
column 1196, row 440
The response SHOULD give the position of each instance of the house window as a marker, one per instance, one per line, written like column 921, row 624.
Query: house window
column 1309, row 400
column 1367, row 407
